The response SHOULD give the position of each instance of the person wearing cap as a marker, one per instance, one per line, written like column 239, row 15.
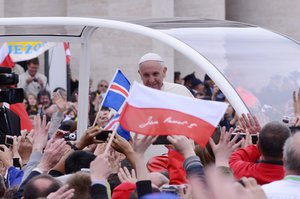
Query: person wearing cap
column 152, row 71
column 197, row 86
column 188, row 81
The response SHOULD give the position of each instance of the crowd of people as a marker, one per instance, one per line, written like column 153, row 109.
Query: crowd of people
column 241, row 160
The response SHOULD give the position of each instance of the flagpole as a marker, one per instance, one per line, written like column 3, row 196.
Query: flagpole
column 111, row 137
column 100, row 107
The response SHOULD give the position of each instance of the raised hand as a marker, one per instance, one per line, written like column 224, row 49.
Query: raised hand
column 296, row 103
column 219, row 186
column 88, row 137
column 125, row 176
column 25, row 149
column 60, row 102
column 53, row 152
column 100, row 168
column 183, row 145
column 225, row 147
column 250, row 123
column 141, row 145
column 40, row 133
column 121, row 145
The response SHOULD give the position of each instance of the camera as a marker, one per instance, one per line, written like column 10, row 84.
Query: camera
column 254, row 137
column 70, row 136
column 290, row 122
column 7, row 94
column 162, row 140
column 35, row 79
column 6, row 139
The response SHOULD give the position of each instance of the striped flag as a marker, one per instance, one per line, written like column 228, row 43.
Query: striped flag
column 153, row 112
column 117, row 92
column 5, row 59
column 112, row 124
column 115, row 98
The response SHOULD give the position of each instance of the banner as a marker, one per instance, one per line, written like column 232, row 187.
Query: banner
column 21, row 51
column 153, row 112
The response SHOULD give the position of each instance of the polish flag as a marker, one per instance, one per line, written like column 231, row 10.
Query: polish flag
column 153, row 112
column 5, row 59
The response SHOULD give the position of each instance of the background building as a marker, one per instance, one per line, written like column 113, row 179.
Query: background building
column 111, row 49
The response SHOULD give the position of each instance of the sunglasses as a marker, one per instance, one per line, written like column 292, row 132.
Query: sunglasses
column 105, row 86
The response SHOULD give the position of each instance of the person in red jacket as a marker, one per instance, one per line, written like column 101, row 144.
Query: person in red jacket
column 264, row 160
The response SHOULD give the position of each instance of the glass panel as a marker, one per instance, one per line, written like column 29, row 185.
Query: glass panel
column 262, row 66
column 42, row 30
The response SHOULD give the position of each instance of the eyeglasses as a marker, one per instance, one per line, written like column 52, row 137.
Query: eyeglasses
column 105, row 86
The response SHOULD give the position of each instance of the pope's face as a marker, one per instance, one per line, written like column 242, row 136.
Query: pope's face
column 152, row 74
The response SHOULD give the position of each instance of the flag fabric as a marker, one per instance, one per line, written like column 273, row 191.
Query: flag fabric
column 115, row 98
column 68, row 52
column 153, row 112
column 117, row 92
column 112, row 122
column 5, row 59
column 121, row 131
column 20, row 110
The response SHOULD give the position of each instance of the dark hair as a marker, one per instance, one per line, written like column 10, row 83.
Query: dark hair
column 206, row 77
column 78, row 160
column 43, row 92
column 35, row 61
column 33, row 191
column 272, row 138
column 58, row 89
column 68, row 125
column 113, row 181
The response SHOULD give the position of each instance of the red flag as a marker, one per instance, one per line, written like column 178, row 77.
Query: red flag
column 19, row 109
column 153, row 112
column 5, row 59
column 68, row 52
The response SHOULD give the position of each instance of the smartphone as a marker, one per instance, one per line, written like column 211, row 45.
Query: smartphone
column 103, row 135
column 243, row 135
column 162, row 140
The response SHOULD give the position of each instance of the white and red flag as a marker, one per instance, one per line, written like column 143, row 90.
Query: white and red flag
column 5, row 59
column 68, row 52
column 153, row 112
